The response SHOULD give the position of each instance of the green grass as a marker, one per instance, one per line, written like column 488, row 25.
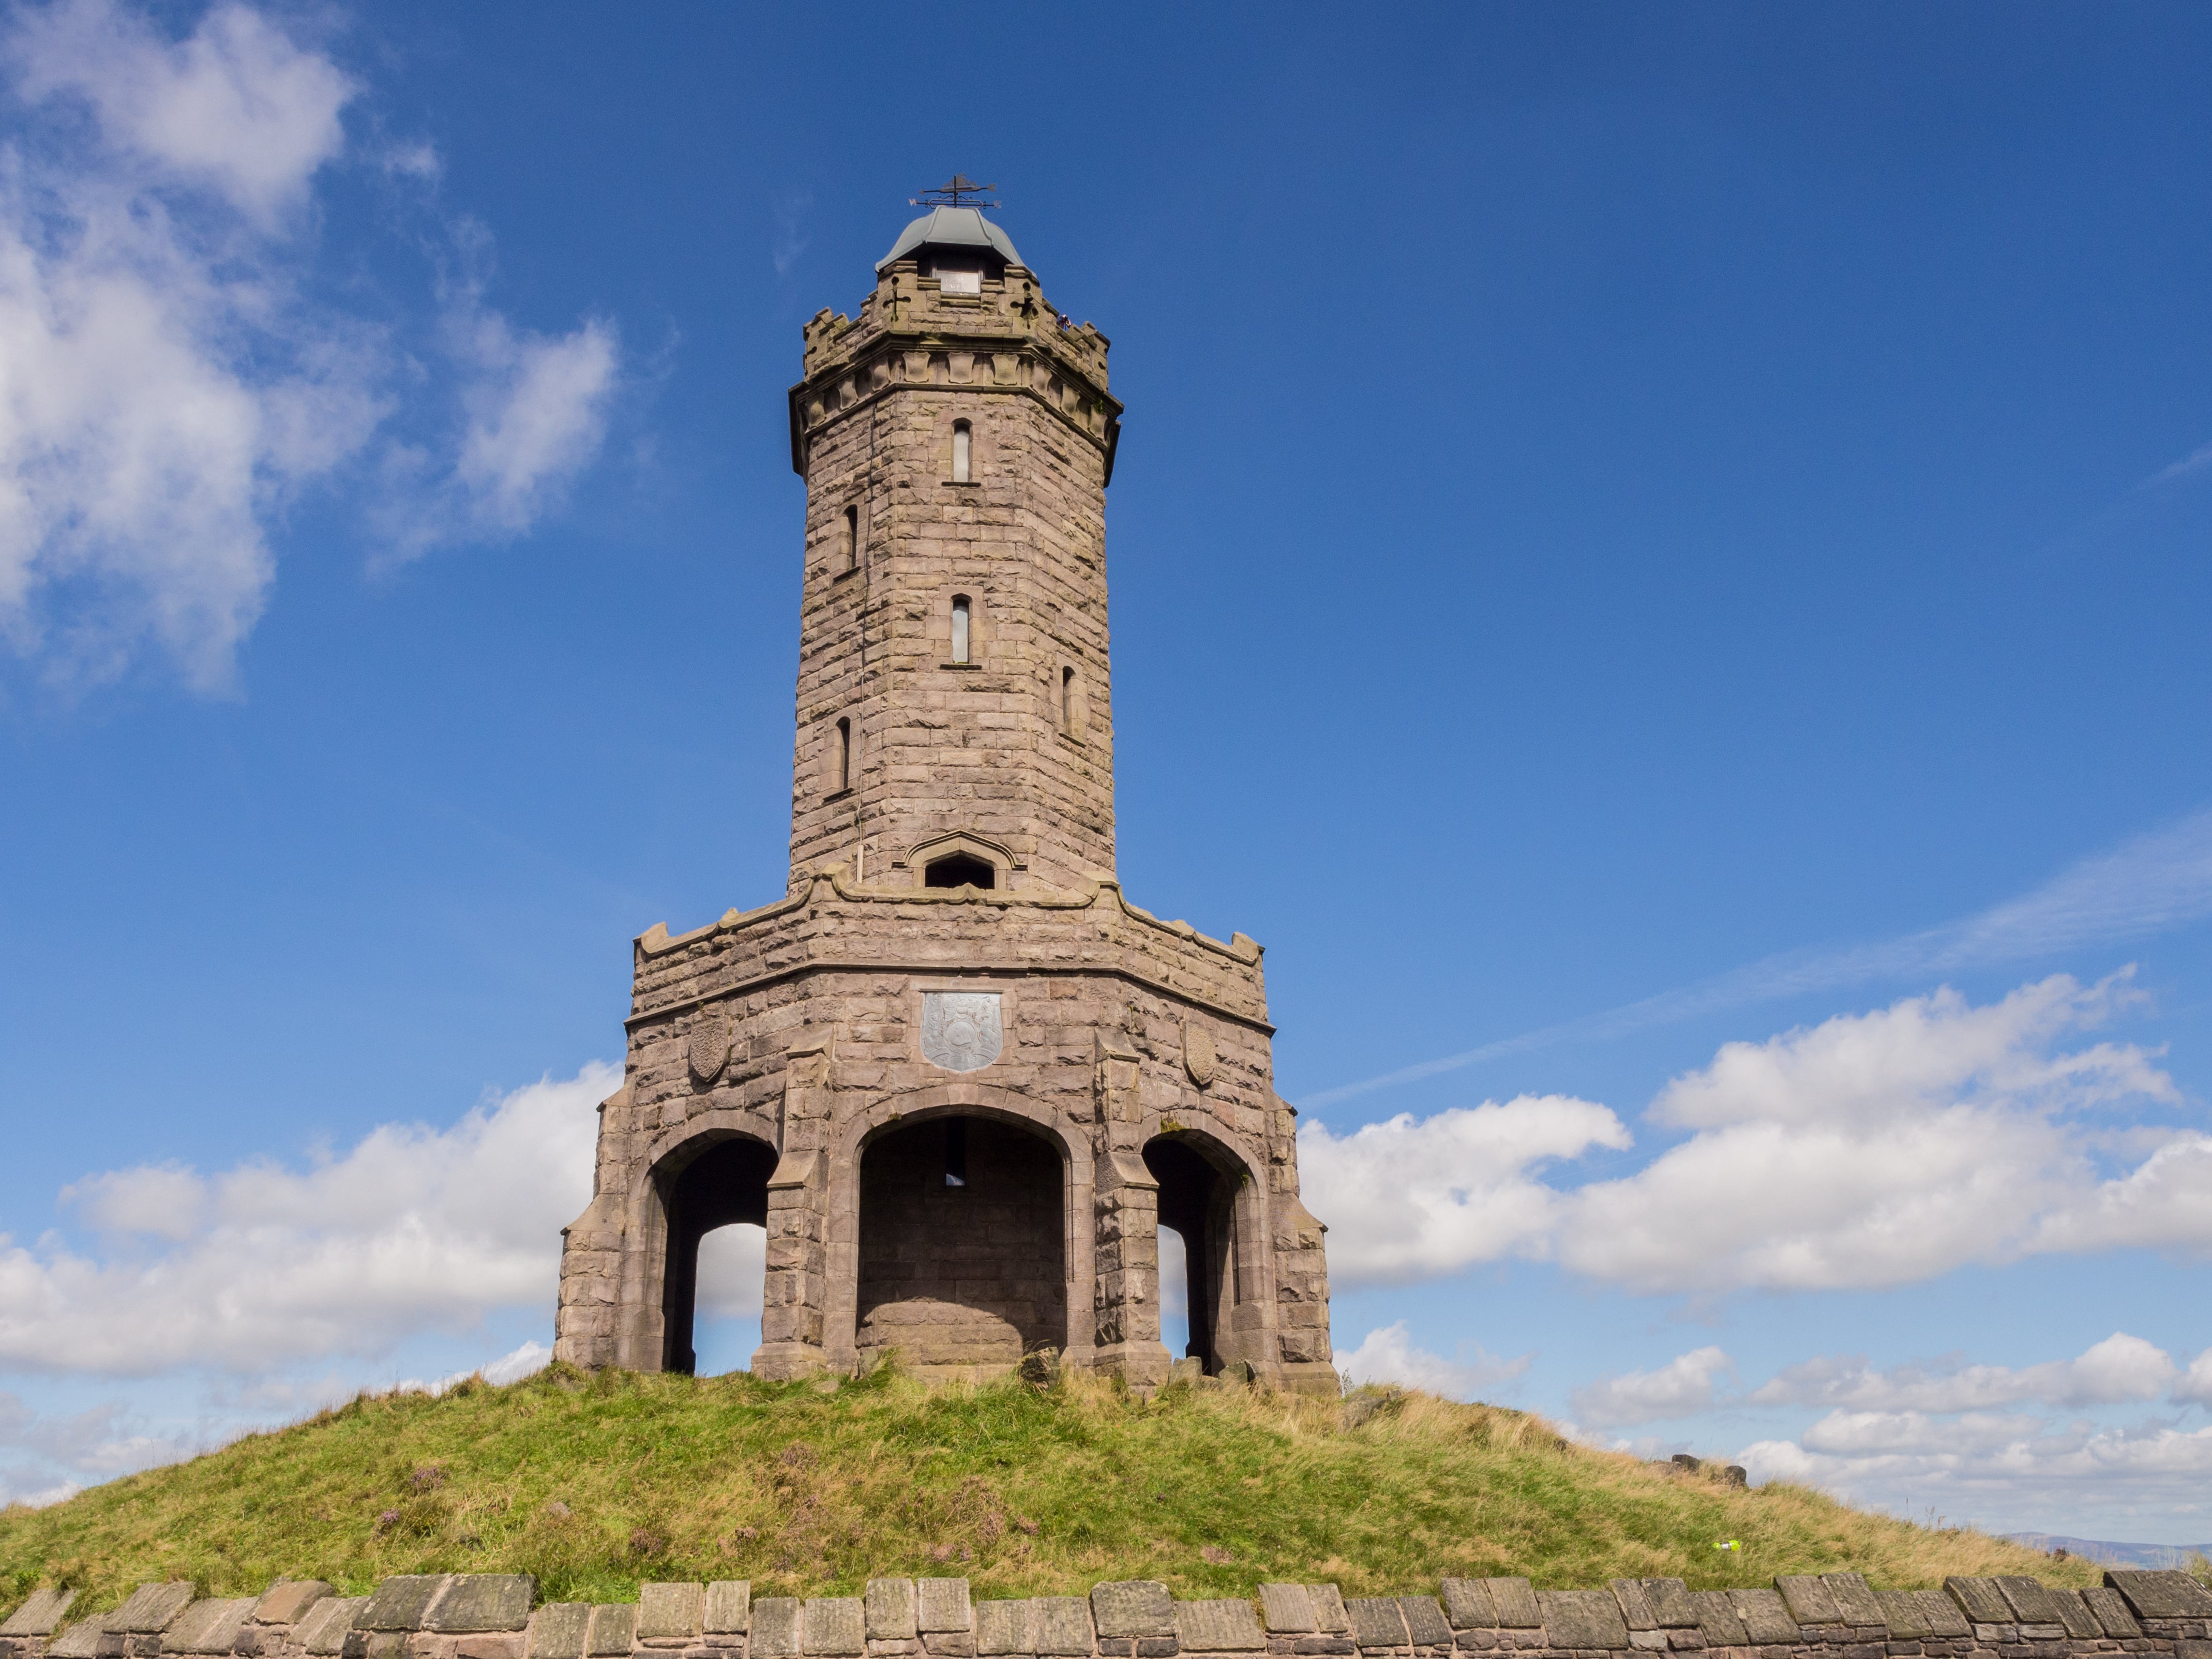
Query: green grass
column 596, row 1483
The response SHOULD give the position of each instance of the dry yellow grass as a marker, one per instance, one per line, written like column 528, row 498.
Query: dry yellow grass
column 594, row 1484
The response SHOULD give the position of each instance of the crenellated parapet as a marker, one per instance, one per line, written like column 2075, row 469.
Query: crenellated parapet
column 1835, row 1615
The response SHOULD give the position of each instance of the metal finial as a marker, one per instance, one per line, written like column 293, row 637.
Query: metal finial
column 960, row 190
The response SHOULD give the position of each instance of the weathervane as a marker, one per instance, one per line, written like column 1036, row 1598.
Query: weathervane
column 960, row 190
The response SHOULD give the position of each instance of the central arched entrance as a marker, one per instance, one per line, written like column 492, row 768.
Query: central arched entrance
column 704, row 1185
column 962, row 1246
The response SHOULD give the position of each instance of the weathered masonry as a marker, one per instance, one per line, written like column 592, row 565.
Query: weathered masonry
column 960, row 1081
column 1834, row 1615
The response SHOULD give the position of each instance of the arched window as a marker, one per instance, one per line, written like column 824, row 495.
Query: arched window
column 843, row 772
column 960, row 438
column 961, row 869
column 849, row 547
column 960, row 628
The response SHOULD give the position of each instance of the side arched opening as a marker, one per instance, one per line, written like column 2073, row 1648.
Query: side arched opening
column 704, row 1187
column 1198, row 1197
column 963, row 1235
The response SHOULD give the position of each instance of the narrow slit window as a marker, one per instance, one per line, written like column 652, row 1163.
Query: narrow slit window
column 1067, row 701
column 844, row 772
column 960, row 628
column 960, row 441
column 850, row 550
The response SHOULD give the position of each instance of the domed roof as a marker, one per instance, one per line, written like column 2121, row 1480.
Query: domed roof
column 952, row 226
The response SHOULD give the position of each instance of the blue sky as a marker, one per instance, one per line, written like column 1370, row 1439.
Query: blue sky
column 1657, row 563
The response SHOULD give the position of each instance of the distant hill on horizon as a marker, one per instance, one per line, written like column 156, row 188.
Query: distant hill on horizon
column 2178, row 1556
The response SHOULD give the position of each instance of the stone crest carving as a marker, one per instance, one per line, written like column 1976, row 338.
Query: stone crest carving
column 960, row 1030
column 1198, row 1056
column 709, row 1047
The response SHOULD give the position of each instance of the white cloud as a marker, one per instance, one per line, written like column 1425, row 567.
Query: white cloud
column 1410, row 1199
column 2120, row 1368
column 45, row 1459
column 413, row 1229
column 731, row 1263
column 1871, row 1149
column 525, row 1361
column 1682, row 1388
column 236, row 108
column 1388, row 1355
column 167, row 383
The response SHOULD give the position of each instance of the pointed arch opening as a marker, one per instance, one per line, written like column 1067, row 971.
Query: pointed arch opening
column 713, row 1197
column 1199, row 1203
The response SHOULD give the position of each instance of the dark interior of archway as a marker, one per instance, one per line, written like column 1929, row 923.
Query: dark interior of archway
column 1199, row 1201
column 727, row 1183
column 962, row 1244
column 960, row 869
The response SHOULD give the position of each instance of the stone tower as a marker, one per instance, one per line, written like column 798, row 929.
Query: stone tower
column 960, row 1080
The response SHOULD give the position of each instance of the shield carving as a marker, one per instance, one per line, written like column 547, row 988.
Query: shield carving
column 1198, row 1057
column 960, row 1029
column 709, row 1048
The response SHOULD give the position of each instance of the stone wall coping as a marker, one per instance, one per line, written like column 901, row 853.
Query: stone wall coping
column 657, row 940
column 490, row 1616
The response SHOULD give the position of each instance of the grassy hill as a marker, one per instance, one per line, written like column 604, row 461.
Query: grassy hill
column 596, row 1483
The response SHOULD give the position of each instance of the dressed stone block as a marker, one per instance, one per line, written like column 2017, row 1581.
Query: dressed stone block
column 558, row 1631
column 729, row 1607
column 941, row 1605
column 837, row 1625
column 1223, row 1626
column 287, row 1600
column 670, row 1611
column 476, row 1601
column 40, row 1615
column 1133, row 1608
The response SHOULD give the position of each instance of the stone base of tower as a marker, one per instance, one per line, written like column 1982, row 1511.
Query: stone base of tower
column 963, row 1118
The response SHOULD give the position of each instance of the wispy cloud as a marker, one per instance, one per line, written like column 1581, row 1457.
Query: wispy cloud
column 2148, row 885
column 1389, row 1355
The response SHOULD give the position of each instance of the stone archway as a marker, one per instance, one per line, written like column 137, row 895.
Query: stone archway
column 712, row 1180
column 1204, row 1196
column 961, row 1245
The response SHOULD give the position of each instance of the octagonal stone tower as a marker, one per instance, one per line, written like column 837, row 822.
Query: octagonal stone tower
column 960, row 1080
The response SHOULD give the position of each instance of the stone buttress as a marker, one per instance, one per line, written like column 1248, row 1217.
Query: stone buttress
column 960, row 1080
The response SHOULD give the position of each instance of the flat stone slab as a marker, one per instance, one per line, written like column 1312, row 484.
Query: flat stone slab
column 1766, row 1619
column 2031, row 1603
column 40, row 1615
column 284, row 1602
column 730, row 1607
column 941, row 1605
column 1515, row 1603
column 1980, row 1600
column 1329, row 1616
column 1133, row 1607
column 1670, row 1603
column 557, row 1631
column 322, row 1633
column 1466, row 1604
column 892, row 1615
column 776, row 1627
column 208, row 1626
column 1002, row 1627
column 1289, row 1607
column 80, row 1641
column 2074, row 1613
column 837, row 1625
column 1900, row 1611
column 1635, row 1603
column 667, row 1611
column 476, row 1602
column 1583, row 1619
column 1807, row 1599
column 1425, row 1621
column 1061, row 1624
column 2162, row 1595
column 402, row 1603
column 1376, row 1622
column 150, row 1608
column 2112, row 1612
column 612, row 1630
column 1219, row 1627
column 1854, row 1598
column 1943, row 1614
column 1719, row 1622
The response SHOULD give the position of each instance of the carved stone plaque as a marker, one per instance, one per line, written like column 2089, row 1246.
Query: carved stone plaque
column 960, row 1029
column 709, row 1048
column 1198, row 1053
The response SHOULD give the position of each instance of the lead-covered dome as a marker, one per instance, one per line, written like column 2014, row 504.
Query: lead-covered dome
column 952, row 228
